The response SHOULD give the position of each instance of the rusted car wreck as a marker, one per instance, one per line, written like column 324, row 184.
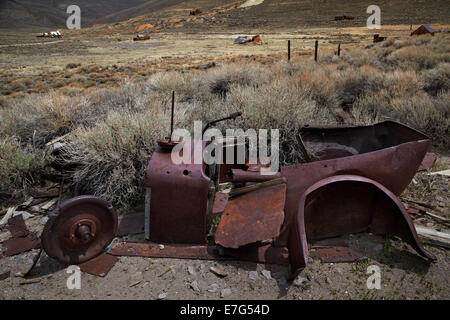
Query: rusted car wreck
column 349, row 185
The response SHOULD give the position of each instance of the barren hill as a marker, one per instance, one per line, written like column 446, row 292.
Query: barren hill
column 273, row 14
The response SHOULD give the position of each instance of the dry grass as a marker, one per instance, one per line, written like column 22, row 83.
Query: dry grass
column 114, row 130
column 20, row 167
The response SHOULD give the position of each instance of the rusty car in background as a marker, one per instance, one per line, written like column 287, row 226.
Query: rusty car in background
column 349, row 184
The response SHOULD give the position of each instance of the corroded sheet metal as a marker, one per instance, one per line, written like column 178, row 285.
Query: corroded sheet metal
column 179, row 199
column 17, row 227
column 388, row 153
column 220, row 202
column 347, row 204
column 18, row 245
column 21, row 239
column 239, row 175
column 130, row 224
column 252, row 217
column 179, row 251
column 100, row 265
column 428, row 162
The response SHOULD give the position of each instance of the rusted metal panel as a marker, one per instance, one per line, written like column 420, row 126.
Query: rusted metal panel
column 18, row 245
column 130, row 224
column 179, row 251
column 428, row 162
column 252, row 217
column 332, row 207
column 220, row 203
column 388, row 153
column 100, row 265
column 17, row 227
column 179, row 200
column 21, row 239
column 239, row 175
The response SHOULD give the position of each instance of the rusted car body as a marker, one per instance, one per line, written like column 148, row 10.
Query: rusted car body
column 350, row 185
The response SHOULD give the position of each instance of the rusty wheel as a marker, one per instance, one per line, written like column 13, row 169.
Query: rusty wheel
column 79, row 230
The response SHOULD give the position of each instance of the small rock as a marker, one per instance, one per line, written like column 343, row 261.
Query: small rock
column 328, row 280
column 44, row 220
column 191, row 270
column 162, row 296
column 253, row 275
column 218, row 272
column 160, row 246
column 299, row 281
column 194, row 286
column 213, row 288
column 266, row 273
column 34, row 209
column 225, row 293
column 339, row 270
column 25, row 215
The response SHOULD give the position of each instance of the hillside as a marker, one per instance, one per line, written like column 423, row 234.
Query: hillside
column 276, row 14
column 52, row 13
column 20, row 15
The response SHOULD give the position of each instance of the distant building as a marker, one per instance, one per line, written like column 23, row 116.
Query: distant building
column 195, row 12
column 423, row 29
column 340, row 17
column 377, row 38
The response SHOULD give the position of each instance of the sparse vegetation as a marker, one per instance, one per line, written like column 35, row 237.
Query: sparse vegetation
column 114, row 130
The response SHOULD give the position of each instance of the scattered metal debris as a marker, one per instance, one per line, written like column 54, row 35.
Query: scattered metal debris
column 428, row 162
column 141, row 37
column 21, row 239
column 246, row 40
column 100, row 265
column 341, row 17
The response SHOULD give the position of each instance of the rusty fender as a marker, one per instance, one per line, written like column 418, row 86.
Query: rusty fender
column 347, row 204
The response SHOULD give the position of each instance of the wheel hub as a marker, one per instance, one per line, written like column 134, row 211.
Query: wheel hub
column 80, row 230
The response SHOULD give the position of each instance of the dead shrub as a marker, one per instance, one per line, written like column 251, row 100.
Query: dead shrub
column 19, row 168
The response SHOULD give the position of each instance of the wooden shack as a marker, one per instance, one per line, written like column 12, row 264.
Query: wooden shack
column 423, row 30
